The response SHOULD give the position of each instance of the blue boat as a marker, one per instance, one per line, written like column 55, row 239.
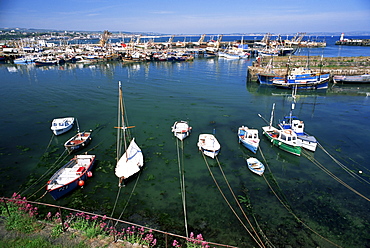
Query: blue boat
column 249, row 138
column 71, row 176
column 302, row 78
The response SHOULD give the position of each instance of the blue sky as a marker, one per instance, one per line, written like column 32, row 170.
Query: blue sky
column 189, row 16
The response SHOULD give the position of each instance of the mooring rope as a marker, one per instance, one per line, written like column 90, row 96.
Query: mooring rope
column 59, row 160
column 323, row 168
column 129, row 198
column 237, row 201
column 182, row 181
column 288, row 208
column 353, row 174
column 228, row 203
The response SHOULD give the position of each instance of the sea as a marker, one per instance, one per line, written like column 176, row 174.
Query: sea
column 319, row 199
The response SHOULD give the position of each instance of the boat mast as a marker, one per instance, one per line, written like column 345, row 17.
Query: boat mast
column 272, row 114
column 294, row 93
column 121, row 131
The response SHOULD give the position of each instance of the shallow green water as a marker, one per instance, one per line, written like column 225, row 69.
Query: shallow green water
column 213, row 95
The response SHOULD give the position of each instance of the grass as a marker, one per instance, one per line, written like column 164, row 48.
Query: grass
column 33, row 242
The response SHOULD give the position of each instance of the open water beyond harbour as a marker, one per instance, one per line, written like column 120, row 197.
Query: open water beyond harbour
column 213, row 95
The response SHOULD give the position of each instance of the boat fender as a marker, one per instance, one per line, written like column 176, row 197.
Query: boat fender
column 89, row 174
column 81, row 183
column 272, row 140
column 279, row 143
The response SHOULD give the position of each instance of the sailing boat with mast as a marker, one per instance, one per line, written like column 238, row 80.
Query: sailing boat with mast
column 132, row 159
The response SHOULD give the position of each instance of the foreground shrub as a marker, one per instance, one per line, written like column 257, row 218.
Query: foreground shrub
column 21, row 216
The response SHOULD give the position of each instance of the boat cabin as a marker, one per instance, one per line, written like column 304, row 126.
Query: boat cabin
column 298, row 126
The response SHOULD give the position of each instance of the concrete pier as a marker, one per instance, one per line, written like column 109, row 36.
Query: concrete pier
column 332, row 65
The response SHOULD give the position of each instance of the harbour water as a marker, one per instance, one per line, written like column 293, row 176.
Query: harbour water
column 213, row 95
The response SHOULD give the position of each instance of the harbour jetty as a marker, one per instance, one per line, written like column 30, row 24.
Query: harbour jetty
column 352, row 42
column 332, row 65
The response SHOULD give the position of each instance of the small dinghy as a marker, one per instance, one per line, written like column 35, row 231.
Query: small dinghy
column 62, row 125
column 72, row 175
column 255, row 166
column 208, row 144
column 80, row 140
column 181, row 129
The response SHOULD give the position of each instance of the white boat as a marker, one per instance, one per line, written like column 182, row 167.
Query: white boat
column 72, row 175
column 208, row 144
column 62, row 125
column 132, row 160
column 255, row 166
column 181, row 129
column 249, row 138
column 291, row 122
column 309, row 142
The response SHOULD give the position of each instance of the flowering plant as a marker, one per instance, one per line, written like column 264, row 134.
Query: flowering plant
column 193, row 242
column 22, row 215
column 137, row 235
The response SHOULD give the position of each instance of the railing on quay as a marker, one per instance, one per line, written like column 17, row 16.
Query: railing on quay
column 166, row 234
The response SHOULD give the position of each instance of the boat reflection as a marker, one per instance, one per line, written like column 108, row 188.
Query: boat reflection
column 333, row 89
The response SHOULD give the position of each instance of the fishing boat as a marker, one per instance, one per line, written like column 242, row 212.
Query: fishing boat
column 46, row 61
column 255, row 166
column 304, row 83
column 291, row 122
column 309, row 142
column 132, row 159
column 181, row 129
column 72, row 175
column 78, row 141
column 62, row 125
column 285, row 139
column 355, row 79
column 249, row 138
column 208, row 144
column 301, row 77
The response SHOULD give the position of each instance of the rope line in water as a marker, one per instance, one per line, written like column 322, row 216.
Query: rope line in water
column 289, row 209
column 228, row 203
column 236, row 200
column 129, row 198
column 353, row 174
column 318, row 164
column 182, row 181
column 59, row 160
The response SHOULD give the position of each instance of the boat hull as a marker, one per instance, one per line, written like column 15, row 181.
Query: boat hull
column 62, row 125
column 296, row 150
column 255, row 166
column 58, row 190
column 208, row 144
column 78, row 141
column 308, row 142
column 251, row 143
column 358, row 79
column 181, row 129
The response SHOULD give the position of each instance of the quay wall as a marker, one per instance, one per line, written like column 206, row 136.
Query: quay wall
column 332, row 65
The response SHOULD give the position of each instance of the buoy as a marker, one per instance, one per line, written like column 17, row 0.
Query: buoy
column 81, row 183
column 360, row 172
column 89, row 174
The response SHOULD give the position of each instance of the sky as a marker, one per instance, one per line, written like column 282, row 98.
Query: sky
column 189, row 16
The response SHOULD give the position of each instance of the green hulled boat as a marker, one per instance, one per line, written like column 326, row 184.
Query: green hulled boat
column 285, row 139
